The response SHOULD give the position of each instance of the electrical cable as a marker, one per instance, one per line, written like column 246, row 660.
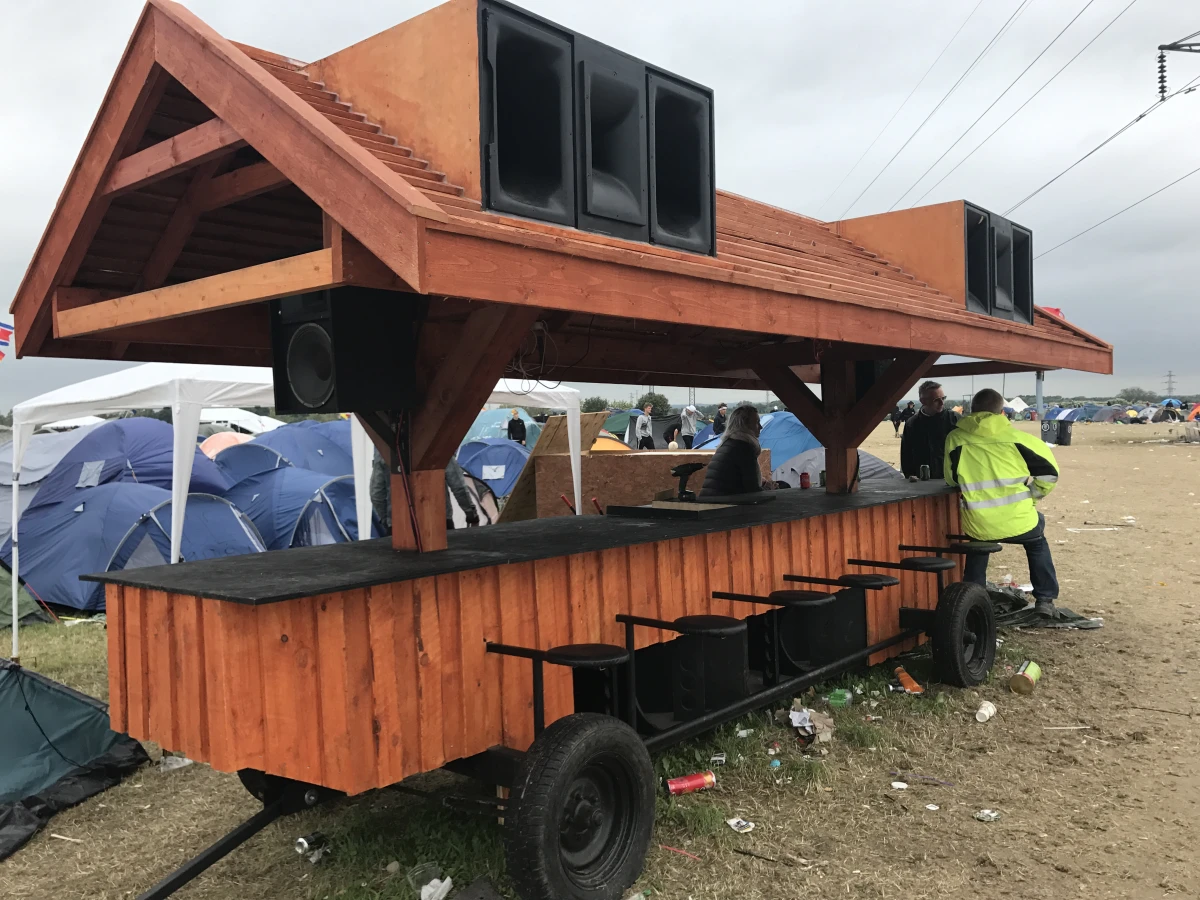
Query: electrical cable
column 1013, row 114
column 1119, row 212
column 1186, row 89
column 990, row 44
column 858, row 162
column 991, row 105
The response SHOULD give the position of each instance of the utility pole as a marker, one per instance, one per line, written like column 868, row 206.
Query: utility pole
column 691, row 396
column 1170, row 384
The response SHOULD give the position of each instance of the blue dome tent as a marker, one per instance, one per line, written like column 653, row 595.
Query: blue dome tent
column 242, row 461
column 116, row 526
column 294, row 507
column 703, row 435
column 316, row 446
column 493, row 423
column 495, row 461
column 126, row 450
column 782, row 433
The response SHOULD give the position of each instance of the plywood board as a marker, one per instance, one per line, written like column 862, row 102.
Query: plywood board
column 553, row 441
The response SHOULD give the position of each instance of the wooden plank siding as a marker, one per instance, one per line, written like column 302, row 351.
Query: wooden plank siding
column 363, row 688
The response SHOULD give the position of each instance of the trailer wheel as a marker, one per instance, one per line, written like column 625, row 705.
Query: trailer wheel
column 584, row 811
column 964, row 635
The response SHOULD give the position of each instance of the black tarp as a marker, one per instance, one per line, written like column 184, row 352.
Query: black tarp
column 56, row 750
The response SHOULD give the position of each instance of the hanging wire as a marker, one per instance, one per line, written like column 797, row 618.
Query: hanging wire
column 1119, row 212
column 991, row 105
column 1158, row 104
column 982, row 53
column 1013, row 114
column 858, row 162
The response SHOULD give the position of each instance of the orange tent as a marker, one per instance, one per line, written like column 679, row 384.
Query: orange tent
column 215, row 443
column 1194, row 414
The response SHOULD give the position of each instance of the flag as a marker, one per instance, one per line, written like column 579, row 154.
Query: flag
column 6, row 332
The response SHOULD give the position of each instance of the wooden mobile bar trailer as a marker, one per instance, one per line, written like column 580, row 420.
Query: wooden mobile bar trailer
column 474, row 193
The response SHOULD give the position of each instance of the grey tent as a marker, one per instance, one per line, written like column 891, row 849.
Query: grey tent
column 56, row 750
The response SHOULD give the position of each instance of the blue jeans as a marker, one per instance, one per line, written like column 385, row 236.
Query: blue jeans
column 1041, row 564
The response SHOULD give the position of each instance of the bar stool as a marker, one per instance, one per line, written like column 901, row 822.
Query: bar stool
column 706, row 671
column 776, row 654
column 571, row 656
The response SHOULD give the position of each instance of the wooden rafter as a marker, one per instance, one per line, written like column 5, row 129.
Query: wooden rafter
column 799, row 399
column 240, row 184
column 896, row 380
column 207, row 141
column 179, row 228
column 949, row 370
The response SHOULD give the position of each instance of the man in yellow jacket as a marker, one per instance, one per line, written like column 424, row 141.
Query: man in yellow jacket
column 1001, row 472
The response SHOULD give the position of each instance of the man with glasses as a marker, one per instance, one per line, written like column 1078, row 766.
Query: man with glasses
column 924, row 442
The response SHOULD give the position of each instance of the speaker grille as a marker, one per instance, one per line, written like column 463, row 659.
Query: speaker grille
column 681, row 181
column 310, row 365
column 530, row 142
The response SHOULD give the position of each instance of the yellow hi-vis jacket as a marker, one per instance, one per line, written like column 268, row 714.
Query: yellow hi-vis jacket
column 1000, row 472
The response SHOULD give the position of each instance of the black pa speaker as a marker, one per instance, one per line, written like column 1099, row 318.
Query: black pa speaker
column 1002, row 265
column 1022, row 283
column 527, row 107
column 611, row 141
column 682, row 195
column 347, row 349
column 979, row 262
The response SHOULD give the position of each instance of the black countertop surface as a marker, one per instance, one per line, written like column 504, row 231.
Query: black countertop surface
column 260, row 578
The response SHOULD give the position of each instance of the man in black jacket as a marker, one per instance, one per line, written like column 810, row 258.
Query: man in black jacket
column 924, row 442
column 516, row 428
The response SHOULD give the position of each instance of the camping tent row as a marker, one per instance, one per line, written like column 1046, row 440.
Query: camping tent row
column 187, row 390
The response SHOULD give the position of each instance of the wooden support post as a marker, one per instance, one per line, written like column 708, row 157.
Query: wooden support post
column 798, row 398
column 838, row 396
column 429, row 501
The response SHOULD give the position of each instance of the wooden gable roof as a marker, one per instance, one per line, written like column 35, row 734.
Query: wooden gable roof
column 229, row 168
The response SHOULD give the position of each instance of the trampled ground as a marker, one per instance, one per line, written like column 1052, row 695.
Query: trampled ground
column 1106, row 811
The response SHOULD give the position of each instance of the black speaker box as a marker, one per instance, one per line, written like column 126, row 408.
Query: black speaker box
column 611, row 141
column 682, row 196
column 345, row 349
column 979, row 261
column 1022, row 283
column 527, row 116
column 1002, row 265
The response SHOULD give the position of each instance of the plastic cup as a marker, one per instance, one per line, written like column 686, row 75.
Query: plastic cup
column 986, row 710
column 421, row 874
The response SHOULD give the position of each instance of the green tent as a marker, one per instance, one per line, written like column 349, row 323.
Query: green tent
column 28, row 609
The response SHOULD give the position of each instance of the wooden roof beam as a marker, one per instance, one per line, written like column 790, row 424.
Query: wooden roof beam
column 209, row 141
column 984, row 367
column 241, row 184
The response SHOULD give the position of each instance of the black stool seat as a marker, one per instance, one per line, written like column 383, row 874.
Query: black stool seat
column 587, row 656
column 869, row 582
column 799, row 598
column 977, row 547
column 927, row 564
column 711, row 626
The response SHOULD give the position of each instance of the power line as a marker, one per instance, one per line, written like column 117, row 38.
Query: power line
column 1013, row 114
column 1114, row 215
column 1186, row 89
column 1011, row 85
column 854, row 168
column 982, row 53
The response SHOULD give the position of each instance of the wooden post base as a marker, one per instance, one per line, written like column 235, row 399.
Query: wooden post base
column 429, row 498
column 841, row 470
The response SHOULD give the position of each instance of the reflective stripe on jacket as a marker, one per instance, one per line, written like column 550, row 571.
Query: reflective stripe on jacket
column 1001, row 472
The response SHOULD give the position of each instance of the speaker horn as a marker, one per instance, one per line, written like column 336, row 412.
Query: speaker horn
column 979, row 261
column 527, row 116
column 682, row 196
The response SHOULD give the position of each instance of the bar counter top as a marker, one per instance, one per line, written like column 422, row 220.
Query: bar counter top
column 261, row 578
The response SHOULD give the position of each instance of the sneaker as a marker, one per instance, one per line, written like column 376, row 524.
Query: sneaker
column 1046, row 609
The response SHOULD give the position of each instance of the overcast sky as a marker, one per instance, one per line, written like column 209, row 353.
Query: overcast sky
column 802, row 88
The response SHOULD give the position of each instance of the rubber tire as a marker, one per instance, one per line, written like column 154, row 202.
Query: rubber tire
column 958, row 601
column 532, row 841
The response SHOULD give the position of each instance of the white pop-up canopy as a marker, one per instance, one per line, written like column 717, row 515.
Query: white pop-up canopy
column 185, row 389
column 1018, row 405
column 508, row 392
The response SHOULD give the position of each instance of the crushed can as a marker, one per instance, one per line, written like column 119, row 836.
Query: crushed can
column 687, row 784
column 822, row 476
column 924, row 473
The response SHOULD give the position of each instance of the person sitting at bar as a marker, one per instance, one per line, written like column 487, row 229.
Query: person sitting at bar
column 734, row 467
column 1001, row 472
column 925, row 433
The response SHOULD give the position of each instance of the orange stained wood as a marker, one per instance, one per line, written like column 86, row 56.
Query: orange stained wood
column 185, row 150
column 926, row 241
column 282, row 278
column 360, row 689
column 419, row 78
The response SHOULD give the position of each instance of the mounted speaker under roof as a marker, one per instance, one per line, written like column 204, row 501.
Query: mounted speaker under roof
column 682, row 195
